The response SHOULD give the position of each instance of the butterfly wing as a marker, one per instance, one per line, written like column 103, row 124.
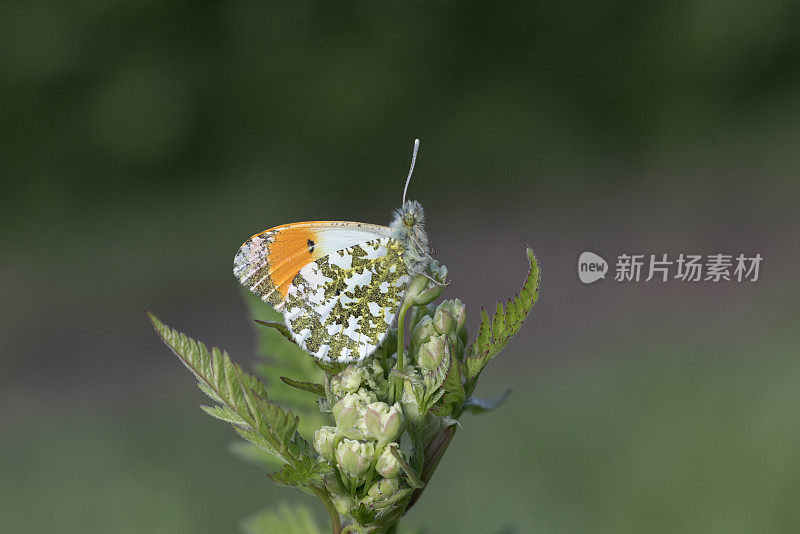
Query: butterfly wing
column 338, row 284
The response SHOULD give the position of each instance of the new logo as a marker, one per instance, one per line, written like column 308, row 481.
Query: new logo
column 591, row 267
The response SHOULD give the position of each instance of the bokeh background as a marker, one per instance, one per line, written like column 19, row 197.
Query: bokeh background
column 142, row 142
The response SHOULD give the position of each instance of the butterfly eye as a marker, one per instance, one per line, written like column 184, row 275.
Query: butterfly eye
column 409, row 219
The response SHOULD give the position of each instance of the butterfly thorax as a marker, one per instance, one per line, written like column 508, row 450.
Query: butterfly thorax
column 408, row 227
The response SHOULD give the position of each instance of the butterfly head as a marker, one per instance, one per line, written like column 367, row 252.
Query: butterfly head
column 408, row 227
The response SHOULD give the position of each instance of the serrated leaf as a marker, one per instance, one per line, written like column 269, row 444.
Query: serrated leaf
column 476, row 362
column 453, row 388
column 223, row 414
column 477, row 406
column 495, row 333
column 305, row 471
column 484, row 335
column 362, row 514
column 242, row 397
column 498, row 321
column 284, row 519
column 311, row 387
column 250, row 453
column 434, row 379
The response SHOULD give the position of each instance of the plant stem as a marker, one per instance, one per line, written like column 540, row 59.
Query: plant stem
column 433, row 455
column 336, row 525
column 396, row 387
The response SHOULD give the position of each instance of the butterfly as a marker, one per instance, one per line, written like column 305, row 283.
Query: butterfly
column 338, row 284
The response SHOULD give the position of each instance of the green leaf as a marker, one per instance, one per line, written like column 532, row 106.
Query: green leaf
column 362, row 514
column 494, row 333
column 223, row 413
column 252, row 454
column 311, row 387
column 452, row 386
column 306, row 471
column 242, row 398
column 280, row 327
column 477, row 406
column 413, row 479
column 284, row 519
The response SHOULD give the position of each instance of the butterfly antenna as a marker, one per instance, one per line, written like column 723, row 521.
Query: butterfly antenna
column 413, row 161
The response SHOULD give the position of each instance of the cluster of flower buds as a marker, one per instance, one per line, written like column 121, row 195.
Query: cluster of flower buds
column 360, row 446
column 370, row 445
column 445, row 325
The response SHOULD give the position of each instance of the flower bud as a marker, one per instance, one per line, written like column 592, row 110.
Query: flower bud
column 387, row 465
column 352, row 377
column 384, row 488
column 323, row 441
column 384, row 423
column 430, row 354
column 459, row 312
column 410, row 405
column 336, row 387
column 443, row 320
column 423, row 331
column 354, row 457
column 422, row 291
column 345, row 412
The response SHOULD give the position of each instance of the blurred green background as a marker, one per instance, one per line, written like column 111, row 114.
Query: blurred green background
column 142, row 142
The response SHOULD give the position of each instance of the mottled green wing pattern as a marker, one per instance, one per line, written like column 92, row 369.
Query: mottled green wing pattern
column 340, row 307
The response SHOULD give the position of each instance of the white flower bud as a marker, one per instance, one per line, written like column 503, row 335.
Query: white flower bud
column 387, row 465
column 459, row 312
column 430, row 354
column 323, row 441
column 352, row 377
column 423, row 331
column 410, row 405
column 345, row 412
column 354, row 457
column 336, row 387
column 443, row 320
column 384, row 423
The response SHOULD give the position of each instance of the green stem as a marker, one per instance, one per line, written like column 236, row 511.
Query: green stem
column 396, row 387
column 433, row 456
column 336, row 525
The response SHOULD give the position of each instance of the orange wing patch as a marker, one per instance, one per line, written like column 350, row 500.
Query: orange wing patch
column 291, row 249
column 269, row 261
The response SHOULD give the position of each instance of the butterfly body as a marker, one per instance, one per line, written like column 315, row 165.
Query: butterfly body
column 338, row 284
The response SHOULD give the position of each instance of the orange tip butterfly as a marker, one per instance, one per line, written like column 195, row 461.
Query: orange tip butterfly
column 338, row 284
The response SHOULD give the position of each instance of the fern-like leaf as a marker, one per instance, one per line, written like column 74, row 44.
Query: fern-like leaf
column 494, row 333
column 242, row 398
column 306, row 471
